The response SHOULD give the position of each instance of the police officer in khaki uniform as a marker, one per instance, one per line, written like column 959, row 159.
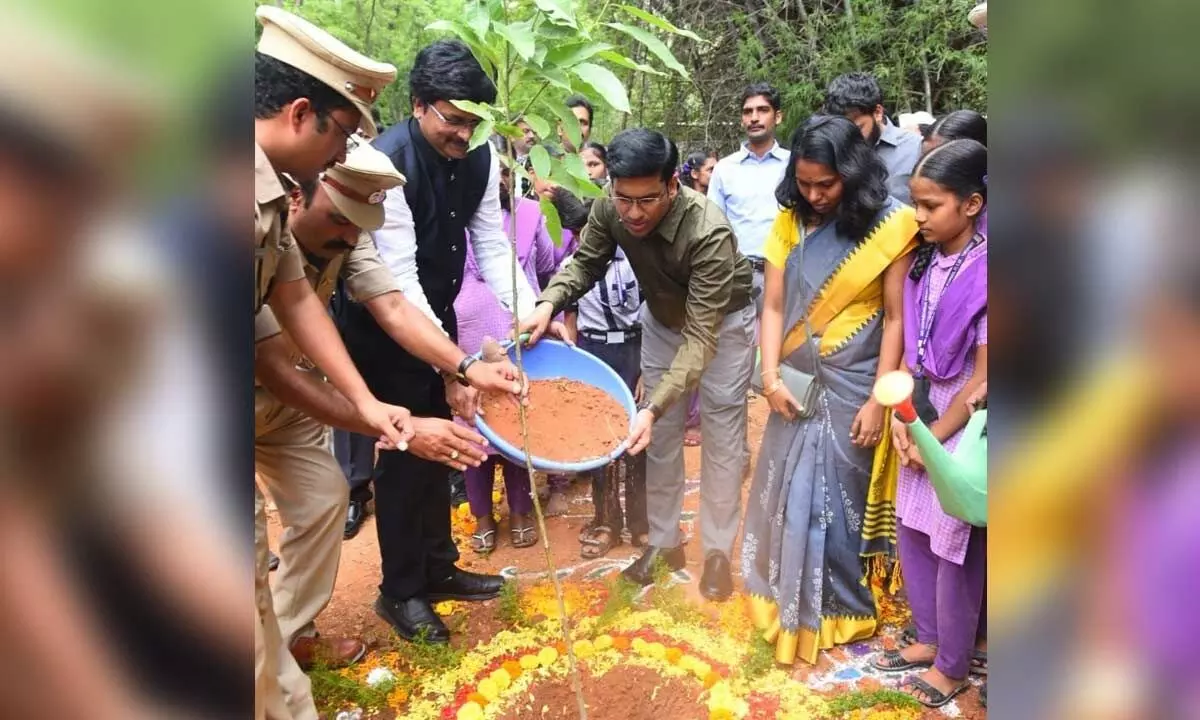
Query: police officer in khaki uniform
column 328, row 219
column 310, row 90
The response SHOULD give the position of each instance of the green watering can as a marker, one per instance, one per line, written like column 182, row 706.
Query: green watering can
column 959, row 479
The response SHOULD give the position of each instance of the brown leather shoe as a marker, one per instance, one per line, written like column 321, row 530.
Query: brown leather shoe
column 332, row 653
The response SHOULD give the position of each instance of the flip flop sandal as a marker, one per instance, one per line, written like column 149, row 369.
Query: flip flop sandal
column 893, row 662
column 979, row 664
column 692, row 439
column 586, row 530
column 593, row 547
column 936, row 698
column 640, row 540
column 483, row 542
column 519, row 537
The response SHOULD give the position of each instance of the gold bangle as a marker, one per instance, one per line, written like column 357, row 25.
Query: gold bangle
column 768, row 392
column 767, row 373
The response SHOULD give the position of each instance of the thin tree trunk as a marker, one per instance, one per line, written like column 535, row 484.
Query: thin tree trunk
column 367, row 34
column 850, row 21
column 928, row 85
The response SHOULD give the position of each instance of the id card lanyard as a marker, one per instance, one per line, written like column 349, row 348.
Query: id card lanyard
column 929, row 309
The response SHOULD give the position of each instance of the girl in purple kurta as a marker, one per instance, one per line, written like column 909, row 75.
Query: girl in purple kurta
column 481, row 315
column 945, row 332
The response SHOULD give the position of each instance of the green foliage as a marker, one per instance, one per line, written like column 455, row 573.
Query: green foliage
column 508, row 608
column 431, row 657
column 867, row 699
column 621, row 595
column 760, row 659
column 330, row 689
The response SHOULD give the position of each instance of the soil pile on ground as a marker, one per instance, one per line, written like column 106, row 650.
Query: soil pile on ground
column 569, row 421
column 626, row 692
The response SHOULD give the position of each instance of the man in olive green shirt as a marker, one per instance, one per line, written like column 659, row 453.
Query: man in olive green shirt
column 697, row 329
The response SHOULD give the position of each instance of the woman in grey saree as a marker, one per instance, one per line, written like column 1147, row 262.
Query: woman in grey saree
column 807, row 514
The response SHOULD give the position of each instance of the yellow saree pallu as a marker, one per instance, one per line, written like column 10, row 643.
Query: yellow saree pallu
column 848, row 301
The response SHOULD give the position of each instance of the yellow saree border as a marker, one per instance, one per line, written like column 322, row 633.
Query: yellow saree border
column 806, row 644
column 851, row 295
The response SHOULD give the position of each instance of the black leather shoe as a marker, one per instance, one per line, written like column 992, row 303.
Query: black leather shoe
column 356, row 514
column 272, row 561
column 463, row 585
column 642, row 569
column 717, row 581
column 413, row 619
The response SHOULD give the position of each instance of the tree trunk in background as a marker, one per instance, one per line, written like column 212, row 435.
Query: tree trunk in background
column 850, row 22
column 928, row 85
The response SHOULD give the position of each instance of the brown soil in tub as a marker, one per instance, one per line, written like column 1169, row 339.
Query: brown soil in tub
column 568, row 420
column 626, row 692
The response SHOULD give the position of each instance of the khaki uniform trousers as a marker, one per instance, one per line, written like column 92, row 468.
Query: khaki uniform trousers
column 295, row 466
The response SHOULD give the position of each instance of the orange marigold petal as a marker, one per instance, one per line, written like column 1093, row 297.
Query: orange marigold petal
column 620, row 642
column 513, row 667
column 674, row 655
column 477, row 698
column 712, row 678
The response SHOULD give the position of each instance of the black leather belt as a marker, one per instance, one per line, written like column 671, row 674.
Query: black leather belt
column 612, row 337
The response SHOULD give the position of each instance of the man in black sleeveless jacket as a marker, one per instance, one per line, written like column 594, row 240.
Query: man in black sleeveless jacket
column 452, row 195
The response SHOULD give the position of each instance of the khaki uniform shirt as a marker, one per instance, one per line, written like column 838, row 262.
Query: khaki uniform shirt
column 276, row 257
column 690, row 272
column 366, row 277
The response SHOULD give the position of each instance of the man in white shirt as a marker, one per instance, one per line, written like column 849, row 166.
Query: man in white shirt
column 743, row 184
column 452, row 197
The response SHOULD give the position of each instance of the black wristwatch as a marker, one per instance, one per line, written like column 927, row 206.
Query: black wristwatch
column 647, row 405
column 461, row 374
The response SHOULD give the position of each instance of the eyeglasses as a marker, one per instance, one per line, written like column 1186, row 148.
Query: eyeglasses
column 351, row 138
column 456, row 123
column 645, row 203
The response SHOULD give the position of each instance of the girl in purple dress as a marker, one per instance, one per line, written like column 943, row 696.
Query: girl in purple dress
column 945, row 348
column 480, row 315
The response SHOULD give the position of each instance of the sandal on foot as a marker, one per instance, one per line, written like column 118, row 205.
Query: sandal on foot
column 586, row 530
column 892, row 662
column 936, row 698
column 483, row 542
column 692, row 437
column 523, row 535
column 979, row 664
column 599, row 542
column 640, row 540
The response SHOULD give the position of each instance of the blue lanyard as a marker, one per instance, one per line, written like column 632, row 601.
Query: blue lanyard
column 929, row 309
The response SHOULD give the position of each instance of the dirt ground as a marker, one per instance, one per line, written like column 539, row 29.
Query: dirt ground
column 350, row 612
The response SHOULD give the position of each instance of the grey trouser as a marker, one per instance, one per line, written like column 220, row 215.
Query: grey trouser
column 723, row 388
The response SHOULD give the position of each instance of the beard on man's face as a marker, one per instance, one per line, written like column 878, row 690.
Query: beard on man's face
column 876, row 131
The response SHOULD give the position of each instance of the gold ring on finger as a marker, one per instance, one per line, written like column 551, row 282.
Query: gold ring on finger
column 453, row 454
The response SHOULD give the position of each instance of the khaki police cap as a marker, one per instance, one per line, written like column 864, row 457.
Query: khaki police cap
column 358, row 186
column 306, row 47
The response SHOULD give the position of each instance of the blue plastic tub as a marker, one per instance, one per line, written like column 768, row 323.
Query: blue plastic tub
column 554, row 359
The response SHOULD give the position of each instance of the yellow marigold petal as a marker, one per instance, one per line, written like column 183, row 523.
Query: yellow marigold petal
column 657, row 651
column 701, row 669
column 721, row 714
column 583, row 649
column 470, row 711
column 501, row 678
column 529, row 662
column 489, row 689
column 547, row 656
column 603, row 642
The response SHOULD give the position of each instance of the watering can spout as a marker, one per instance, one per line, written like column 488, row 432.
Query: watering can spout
column 959, row 478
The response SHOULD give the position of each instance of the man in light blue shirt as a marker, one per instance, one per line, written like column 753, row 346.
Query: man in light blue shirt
column 743, row 184
column 857, row 97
